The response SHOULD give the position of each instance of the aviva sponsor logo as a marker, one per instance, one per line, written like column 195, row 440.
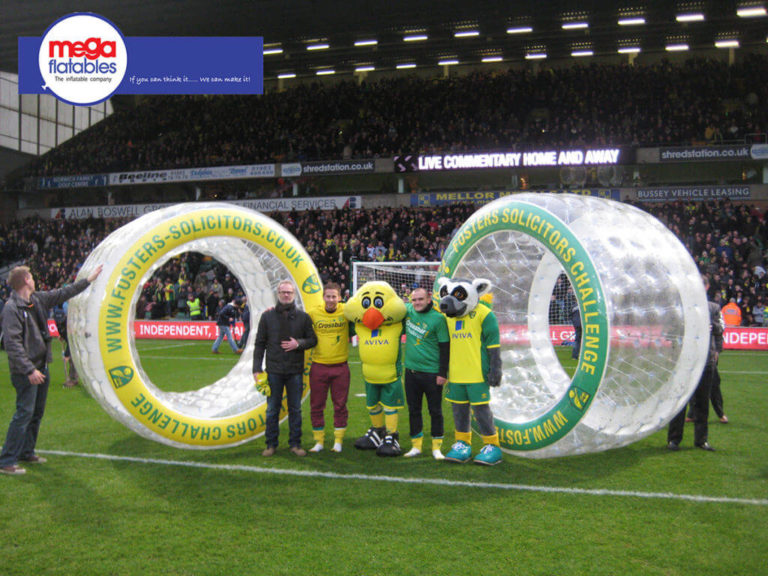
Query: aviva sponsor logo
column 459, row 332
column 120, row 375
column 375, row 339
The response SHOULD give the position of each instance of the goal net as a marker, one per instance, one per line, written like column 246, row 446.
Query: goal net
column 405, row 276
column 402, row 276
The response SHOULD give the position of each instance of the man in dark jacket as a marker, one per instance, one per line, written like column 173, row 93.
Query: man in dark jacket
column 225, row 321
column 211, row 305
column 28, row 344
column 283, row 334
column 245, row 315
column 700, row 396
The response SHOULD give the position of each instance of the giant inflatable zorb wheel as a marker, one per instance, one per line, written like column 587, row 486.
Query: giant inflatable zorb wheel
column 258, row 251
column 643, row 310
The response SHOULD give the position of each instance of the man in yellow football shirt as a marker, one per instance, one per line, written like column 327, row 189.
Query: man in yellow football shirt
column 329, row 370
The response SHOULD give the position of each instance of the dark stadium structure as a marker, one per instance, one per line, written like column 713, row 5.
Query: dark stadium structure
column 461, row 31
column 370, row 41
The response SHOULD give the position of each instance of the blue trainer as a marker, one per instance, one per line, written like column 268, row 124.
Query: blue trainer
column 490, row 455
column 460, row 452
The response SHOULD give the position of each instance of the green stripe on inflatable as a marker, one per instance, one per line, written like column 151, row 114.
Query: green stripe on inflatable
column 508, row 214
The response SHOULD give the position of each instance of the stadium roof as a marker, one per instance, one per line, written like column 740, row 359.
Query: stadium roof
column 446, row 31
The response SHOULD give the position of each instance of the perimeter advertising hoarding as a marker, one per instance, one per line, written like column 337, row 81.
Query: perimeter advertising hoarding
column 759, row 151
column 560, row 335
column 166, row 330
column 202, row 174
column 338, row 167
column 159, row 176
column 193, row 174
column 485, row 196
column 704, row 153
column 258, row 204
column 78, row 181
column 693, row 193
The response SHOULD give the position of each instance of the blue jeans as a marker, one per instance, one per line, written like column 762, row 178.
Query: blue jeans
column 292, row 384
column 25, row 424
column 244, row 337
column 224, row 331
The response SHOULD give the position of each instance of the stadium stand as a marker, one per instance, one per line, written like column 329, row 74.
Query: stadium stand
column 727, row 241
column 698, row 101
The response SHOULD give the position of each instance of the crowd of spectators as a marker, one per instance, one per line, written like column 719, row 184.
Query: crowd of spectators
column 55, row 249
column 728, row 242
column 701, row 100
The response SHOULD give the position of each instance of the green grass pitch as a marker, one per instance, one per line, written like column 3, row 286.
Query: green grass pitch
column 152, row 509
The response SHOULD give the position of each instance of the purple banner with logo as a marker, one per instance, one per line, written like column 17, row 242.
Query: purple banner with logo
column 167, row 65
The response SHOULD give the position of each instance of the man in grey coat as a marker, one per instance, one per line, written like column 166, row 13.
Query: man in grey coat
column 28, row 344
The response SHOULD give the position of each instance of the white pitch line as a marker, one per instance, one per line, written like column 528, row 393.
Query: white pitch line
column 432, row 481
column 164, row 346
column 147, row 354
column 182, row 358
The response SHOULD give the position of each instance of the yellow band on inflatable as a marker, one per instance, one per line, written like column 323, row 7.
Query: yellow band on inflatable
column 115, row 326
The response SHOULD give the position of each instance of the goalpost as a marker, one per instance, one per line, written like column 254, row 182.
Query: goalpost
column 405, row 276
column 402, row 276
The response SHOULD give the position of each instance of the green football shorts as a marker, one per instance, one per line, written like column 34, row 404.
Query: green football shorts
column 391, row 396
column 478, row 393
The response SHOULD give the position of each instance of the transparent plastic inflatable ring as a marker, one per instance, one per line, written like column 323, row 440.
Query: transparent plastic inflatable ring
column 643, row 311
column 258, row 251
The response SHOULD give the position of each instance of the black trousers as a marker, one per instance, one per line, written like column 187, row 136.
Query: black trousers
column 418, row 385
column 700, row 400
column 715, row 395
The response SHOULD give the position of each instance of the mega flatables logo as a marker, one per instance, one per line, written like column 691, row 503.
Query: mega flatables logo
column 82, row 58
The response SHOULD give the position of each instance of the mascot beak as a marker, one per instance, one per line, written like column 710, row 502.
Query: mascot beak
column 372, row 318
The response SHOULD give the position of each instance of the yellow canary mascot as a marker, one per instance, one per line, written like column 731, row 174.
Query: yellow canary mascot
column 378, row 312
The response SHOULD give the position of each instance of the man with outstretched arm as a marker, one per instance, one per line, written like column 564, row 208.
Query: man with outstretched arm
column 28, row 344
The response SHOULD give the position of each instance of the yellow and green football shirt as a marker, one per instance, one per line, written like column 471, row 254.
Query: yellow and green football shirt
column 332, row 330
column 380, row 352
column 471, row 336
